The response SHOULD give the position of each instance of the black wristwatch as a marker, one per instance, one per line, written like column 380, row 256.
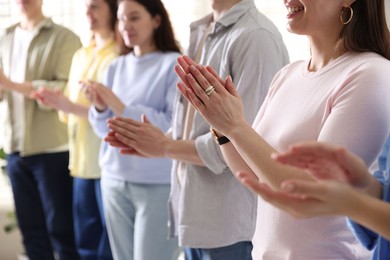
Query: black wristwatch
column 219, row 139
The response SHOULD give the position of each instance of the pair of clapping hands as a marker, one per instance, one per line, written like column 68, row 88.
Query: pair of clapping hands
column 338, row 174
column 342, row 185
column 100, row 97
column 143, row 138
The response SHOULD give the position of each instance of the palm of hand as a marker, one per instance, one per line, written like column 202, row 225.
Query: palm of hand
column 324, row 161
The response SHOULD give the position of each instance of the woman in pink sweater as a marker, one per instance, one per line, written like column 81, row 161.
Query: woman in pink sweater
column 339, row 96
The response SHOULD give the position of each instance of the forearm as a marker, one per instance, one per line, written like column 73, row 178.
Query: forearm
column 233, row 159
column 256, row 152
column 182, row 150
column 117, row 107
column 23, row 88
column 371, row 213
column 98, row 121
column 78, row 110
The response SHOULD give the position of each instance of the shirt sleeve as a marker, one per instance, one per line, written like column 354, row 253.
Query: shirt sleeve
column 98, row 120
column 359, row 116
column 253, row 60
column 360, row 122
column 367, row 237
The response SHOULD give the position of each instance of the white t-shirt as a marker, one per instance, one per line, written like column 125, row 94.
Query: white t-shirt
column 21, row 43
column 347, row 103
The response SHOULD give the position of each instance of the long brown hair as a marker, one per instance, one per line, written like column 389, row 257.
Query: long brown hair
column 367, row 30
column 164, row 36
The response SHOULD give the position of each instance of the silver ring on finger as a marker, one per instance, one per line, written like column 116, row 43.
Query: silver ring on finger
column 209, row 90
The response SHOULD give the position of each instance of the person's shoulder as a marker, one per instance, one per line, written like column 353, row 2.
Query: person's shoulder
column 368, row 62
column 7, row 32
column 164, row 57
column 170, row 55
column 79, row 53
column 62, row 30
column 291, row 68
column 58, row 31
column 253, row 20
column 255, row 26
column 119, row 60
column 365, row 57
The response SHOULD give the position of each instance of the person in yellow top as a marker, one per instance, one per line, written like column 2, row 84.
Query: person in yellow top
column 89, row 64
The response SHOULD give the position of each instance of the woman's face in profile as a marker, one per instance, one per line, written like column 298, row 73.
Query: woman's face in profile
column 98, row 15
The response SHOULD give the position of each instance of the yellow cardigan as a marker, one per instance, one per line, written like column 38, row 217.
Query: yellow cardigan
column 84, row 145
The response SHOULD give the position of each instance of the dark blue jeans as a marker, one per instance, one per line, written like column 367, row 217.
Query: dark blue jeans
column 42, row 191
column 89, row 225
column 238, row 251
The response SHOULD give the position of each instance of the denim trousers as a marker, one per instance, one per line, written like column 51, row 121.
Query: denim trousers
column 238, row 251
column 137, row 216
column 89, row 224
column 42, row 190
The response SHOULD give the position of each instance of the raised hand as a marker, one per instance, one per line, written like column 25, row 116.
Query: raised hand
column 90, row 92
column 326, row 161
column 109, row 98
column 217, row 100
column 305, row 198
column 52, row 98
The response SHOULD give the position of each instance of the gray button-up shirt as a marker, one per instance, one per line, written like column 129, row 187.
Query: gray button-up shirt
column 212, row 209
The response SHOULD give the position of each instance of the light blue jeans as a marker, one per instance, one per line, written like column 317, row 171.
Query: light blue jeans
column 136, row 218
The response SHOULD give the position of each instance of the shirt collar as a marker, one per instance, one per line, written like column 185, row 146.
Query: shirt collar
column 229, row 18
column 235, row 13
column 108, row 45
column 46, row 23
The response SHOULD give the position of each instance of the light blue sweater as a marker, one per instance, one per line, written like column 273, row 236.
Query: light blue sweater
column 146, row 85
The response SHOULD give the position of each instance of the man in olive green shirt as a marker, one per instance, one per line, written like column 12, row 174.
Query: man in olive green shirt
column 37, row 53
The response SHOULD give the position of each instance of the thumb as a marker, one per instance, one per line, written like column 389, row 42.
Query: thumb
column 144, row 119
column 230, row 86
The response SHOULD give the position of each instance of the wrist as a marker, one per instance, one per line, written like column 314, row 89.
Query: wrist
column 168, row 147
column 218, row 137
column 119, row 108
column 7, row 84
column 354, row 206
column 69, row 108
column 238, row 130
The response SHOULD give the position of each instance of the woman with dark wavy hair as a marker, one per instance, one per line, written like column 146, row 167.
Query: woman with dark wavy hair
column 135, row 190
column 340, row 96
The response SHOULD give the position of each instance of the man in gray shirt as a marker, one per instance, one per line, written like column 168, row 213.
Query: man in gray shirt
column 213, row 215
